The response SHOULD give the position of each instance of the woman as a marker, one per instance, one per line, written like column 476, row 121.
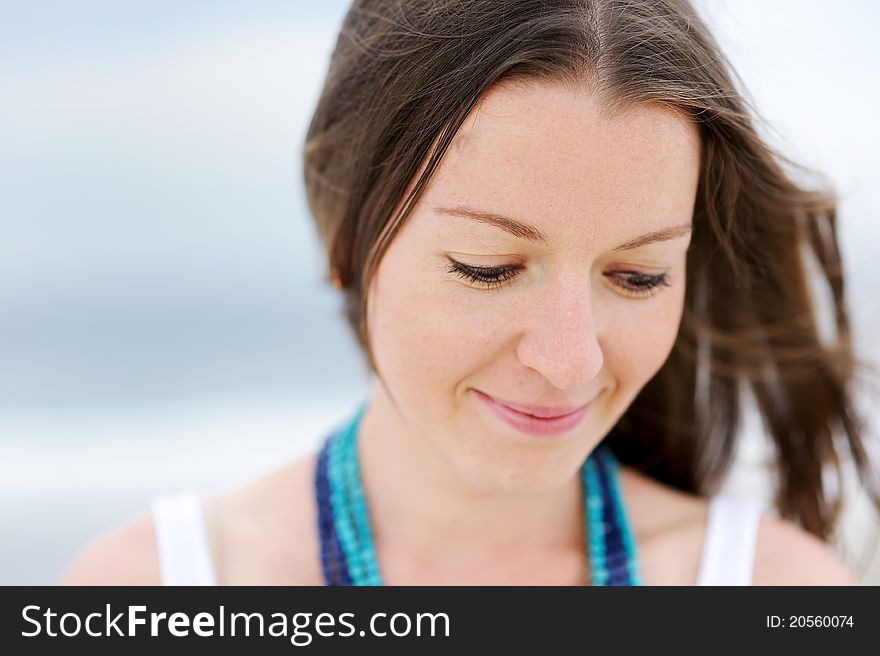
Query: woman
column 564, row 252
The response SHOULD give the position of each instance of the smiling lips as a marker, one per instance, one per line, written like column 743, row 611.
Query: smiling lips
column 535, row 420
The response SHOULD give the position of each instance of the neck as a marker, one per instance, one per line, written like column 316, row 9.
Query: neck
column 420, row 506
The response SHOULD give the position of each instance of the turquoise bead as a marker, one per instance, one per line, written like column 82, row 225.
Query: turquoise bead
column 340, row 511
column 352, row 526
column 626, row 534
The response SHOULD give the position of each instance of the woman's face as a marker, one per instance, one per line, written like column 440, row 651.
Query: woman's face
column 588, row 305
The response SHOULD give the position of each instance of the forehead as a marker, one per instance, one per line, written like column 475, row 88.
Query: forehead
column 547, row 153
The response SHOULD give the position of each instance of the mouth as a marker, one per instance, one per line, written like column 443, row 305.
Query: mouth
column 539, row 421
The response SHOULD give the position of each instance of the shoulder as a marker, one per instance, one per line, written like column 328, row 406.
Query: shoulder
column 261, row 533
column 668, row 526
column 264, row 532
column 786, row 554
column 126, row 555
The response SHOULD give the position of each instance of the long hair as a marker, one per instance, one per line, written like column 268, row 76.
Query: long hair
column 402, row 78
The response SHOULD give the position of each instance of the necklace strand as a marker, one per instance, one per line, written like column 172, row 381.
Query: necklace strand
column 348, row 555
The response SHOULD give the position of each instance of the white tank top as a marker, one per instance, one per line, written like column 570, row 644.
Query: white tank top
column 185, row 558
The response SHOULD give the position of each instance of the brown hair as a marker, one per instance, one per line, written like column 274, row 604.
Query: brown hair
column 405, row 74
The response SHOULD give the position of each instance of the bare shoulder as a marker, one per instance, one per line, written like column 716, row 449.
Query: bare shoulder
column 786, row 554
column 125, row 555
column 261, row 533
column 264, row 532
column 669, row 528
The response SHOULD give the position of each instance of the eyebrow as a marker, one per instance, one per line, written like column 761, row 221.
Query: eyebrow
column 525, row 231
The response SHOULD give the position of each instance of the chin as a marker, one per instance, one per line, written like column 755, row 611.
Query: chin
column 523, row 474
column 493, row 460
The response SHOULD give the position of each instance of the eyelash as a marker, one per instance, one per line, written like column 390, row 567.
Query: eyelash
column 497, row 277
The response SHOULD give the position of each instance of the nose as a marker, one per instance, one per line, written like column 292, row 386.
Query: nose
column 561, row 338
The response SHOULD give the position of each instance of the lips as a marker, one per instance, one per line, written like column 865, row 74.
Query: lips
column 535, row 420
column 540, row 411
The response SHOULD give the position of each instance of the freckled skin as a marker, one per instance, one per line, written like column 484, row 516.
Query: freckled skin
column 559, row 333
column 455, row 496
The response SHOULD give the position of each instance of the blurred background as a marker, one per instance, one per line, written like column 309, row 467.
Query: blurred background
column 163, row 320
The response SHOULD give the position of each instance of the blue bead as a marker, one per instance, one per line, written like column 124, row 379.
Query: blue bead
column 348, row 555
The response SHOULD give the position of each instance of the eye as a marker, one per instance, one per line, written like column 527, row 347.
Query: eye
column 638, row 285
column 491, row 277
column 633, row 283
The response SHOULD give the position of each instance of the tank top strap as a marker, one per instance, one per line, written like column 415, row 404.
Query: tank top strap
column 730, row 541
column 182, row 538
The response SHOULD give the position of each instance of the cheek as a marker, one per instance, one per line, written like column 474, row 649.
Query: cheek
column 638, row 344
column 428, row 333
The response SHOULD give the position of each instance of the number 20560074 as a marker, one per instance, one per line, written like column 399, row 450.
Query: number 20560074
column 809, row 621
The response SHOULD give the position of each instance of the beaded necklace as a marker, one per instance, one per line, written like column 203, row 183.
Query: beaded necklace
column 348, row 556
